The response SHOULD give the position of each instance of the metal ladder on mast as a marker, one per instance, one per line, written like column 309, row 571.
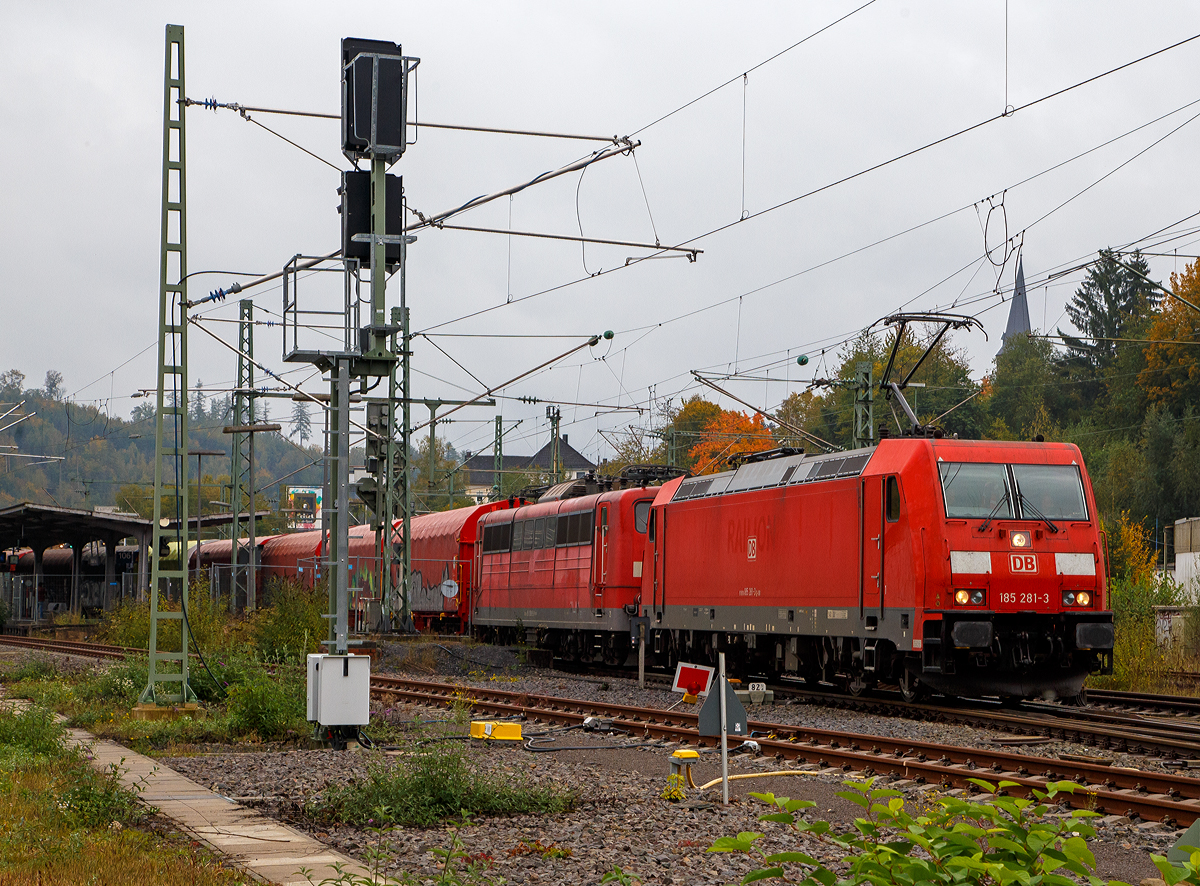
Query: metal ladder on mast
column 170, row 666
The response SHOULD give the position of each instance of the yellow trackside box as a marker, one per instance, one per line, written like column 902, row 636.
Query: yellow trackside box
column 495, row 730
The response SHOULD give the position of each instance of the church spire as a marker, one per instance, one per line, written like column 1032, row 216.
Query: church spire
column 1018, row 314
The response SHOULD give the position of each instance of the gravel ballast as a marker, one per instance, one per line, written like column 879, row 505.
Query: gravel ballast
column 621, row 819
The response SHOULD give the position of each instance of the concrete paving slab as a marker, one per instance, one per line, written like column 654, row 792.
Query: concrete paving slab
column 267, row 849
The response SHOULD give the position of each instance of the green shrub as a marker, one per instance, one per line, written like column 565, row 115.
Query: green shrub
column 96, row 799
column 128, row 625
column 1001, row 840
column 33, row 729
column 209, row 623
column 226, row 670
column 1133, row 601
column 432, row 785
column 267, row 707
column 118, row 685
column 30, row 668
column 291, row 625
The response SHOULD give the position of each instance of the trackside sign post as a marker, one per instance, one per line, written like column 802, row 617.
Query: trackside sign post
column 723, row 715
column 691, row 679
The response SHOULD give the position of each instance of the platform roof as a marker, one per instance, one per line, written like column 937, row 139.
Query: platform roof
column 31, row 525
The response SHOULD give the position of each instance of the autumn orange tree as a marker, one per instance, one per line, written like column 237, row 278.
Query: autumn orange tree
column 728, row 434
column 1172, row 374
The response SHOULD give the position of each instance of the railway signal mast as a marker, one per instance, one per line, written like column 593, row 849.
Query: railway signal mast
column 375, row 76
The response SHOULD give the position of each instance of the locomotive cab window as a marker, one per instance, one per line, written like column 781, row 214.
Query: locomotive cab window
column 641, row 515
column 1051, row 491
column 976, row 490
column 893, row 499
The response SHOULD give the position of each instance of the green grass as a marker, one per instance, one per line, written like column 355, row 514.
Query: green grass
column 434, row 783
column 63, row 822
column 243, row 700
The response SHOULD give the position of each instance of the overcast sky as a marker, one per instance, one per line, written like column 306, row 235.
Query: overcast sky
column 80, row 161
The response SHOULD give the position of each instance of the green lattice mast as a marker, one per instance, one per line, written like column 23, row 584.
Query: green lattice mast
column 170, row 666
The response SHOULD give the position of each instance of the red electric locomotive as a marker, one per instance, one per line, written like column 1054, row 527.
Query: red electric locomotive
column 565, row 573
column 969, row 567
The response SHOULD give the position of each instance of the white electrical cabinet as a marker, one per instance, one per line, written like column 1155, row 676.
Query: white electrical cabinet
column 339, row 689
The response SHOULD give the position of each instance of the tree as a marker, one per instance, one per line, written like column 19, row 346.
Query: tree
column 445, row 487
column 142, row 412
column 730, row 434
column 1111, row 299
column 54, row 384
column 803, row 410
column 1023, row 385
column 301, row 423
column 198, row 413
column 12, row 384
column 1172, row 374
column 685, row 427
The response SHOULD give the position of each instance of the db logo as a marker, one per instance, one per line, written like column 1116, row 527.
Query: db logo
column 752, row 548
column 1024, row 563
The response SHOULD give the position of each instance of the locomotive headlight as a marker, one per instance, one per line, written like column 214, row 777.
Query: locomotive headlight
column 977, row 598
column 1068, row 598
column 1083, row 598
column 962, row 598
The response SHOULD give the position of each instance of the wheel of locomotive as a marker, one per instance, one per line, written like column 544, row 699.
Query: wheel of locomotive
column 912, row 690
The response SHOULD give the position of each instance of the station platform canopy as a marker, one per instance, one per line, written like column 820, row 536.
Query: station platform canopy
column 43, row 526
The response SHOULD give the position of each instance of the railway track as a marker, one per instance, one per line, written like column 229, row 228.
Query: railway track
column 71, row 647
column 1136, row 733
column 1151, row 796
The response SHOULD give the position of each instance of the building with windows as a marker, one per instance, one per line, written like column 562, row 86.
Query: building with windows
column 480, row 469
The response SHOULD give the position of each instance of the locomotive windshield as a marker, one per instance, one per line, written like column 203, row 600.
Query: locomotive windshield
column 1006, row 492
column 1054, row 491
column 976, row 490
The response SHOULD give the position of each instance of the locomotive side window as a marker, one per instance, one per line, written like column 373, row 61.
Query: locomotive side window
column 976, row 490
column 651, row 527
column 539, row 531
column 563, row 533
column 893, row 499
column 496, row 538
column 579, row 528
column 548, row 538
column 518, row 534
column 641, row 515
column 1052, row 491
